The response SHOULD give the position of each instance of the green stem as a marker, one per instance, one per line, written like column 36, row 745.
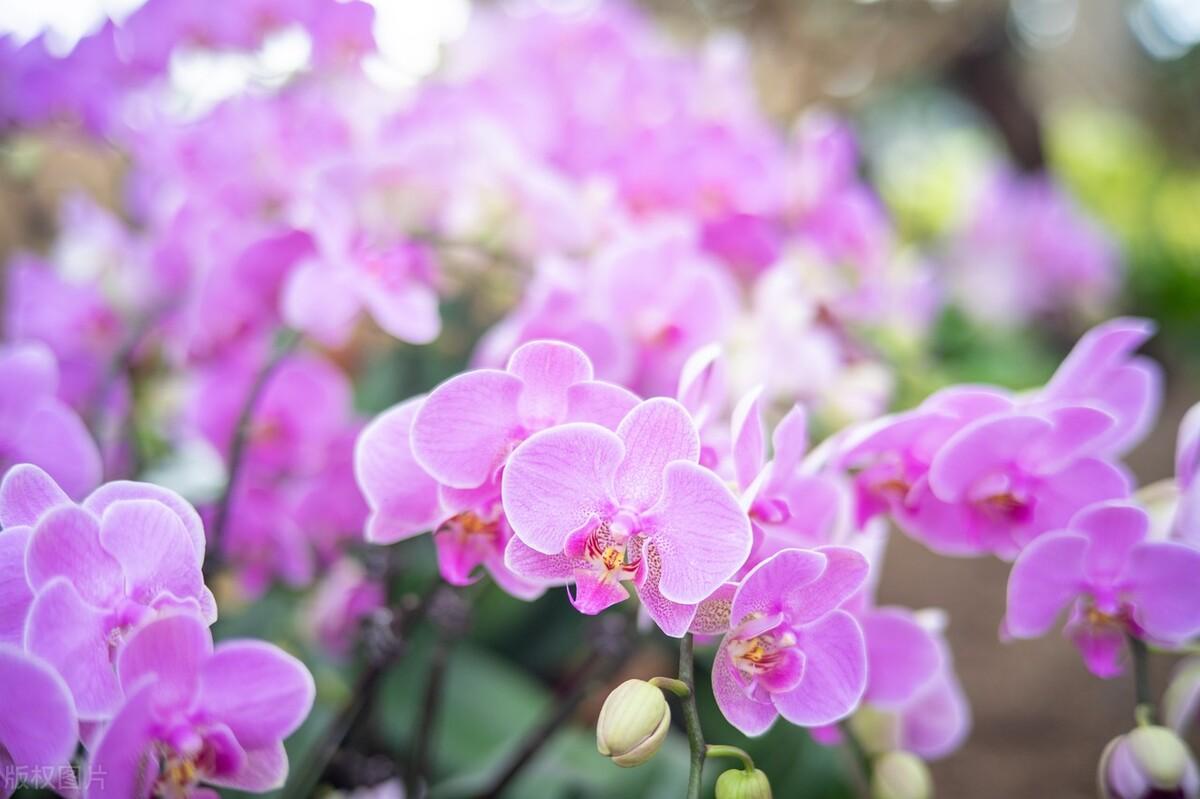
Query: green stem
column 691, row 716
column 1144, row 702
column 677, row 687
column 722, row 750
column 858, row 753
column 285, row 342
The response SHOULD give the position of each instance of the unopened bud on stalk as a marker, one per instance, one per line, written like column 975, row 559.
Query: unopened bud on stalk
column 633, row 723
column 741, row 784
column 1148, row 762
column 900, row 775
column 877, row 731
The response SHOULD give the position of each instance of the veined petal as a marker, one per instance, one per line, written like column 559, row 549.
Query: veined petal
column 402, row 496
column 263, row 770
column 258, row 690
column 605, row 404
column 548, row 369
column 66, row 543
column 700, row 532
column 1045, row 578
column 465, row 428
column 524, row 561
column 749, row 715
column 124, row 762
column 557, row 480
column 790, row 441
column 26, row 493
column 73, row 637
column 749, row 438
column 763, row 591
column 673, row 618
column 835, row 672
column 15, row 593
column 980, row 449
column 150, row 542
column 655, row 433
column 37, row 728
column 168, row 652
column 803, row 584
column 595, row 591
column 118, row 490
column 713, row 614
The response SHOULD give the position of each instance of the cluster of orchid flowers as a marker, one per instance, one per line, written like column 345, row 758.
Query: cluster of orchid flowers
column 106, row 641
column 659, row 347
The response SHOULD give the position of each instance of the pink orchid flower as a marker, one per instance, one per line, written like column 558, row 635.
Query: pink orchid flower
column 467, row 426
column 971, row 472
column 95, row 571
column 598, row 508
column 469, row 528
column 39, row 731
column 37, row 427
column 195, row 714
column 1116, row 582
column 1102, row 370
column 792, row 651
column 789, row 505
column 911, row 683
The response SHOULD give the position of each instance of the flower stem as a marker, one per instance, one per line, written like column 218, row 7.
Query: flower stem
column 362, row 694
column 862, row 768
column 285, row 342
column 608, row 655
column 722, row 750
column 1144, row 702
column 677, row 687
column 450, row 611
column 691, row 716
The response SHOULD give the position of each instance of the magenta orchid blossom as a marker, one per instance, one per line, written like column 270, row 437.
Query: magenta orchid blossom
column 195, row 714
column 789, row 504
column 703, row 345
column 598, row 508
column 469, row 425
column 791, row 650
column 468, row 526
column 94, row 572
column 1115, row 581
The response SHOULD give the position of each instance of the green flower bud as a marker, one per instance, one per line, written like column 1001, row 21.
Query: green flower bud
column 1146, row 762
column 633, row 723
column 900, row 775
column 741, row 784
column 877, row 731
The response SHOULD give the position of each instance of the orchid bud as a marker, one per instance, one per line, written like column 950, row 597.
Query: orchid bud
column 877, row 731
column 1148, row 762
column 1181, row 700
column 741, row 784
column 900, row 775
column 633, row 723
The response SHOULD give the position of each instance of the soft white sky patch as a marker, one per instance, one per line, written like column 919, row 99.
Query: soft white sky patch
column 410, row 35
column 64, row 21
